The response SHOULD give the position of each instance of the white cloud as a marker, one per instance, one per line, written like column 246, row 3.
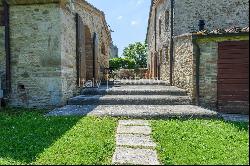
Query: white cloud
column 139, row 2
column 119, row 17
column 133, row 23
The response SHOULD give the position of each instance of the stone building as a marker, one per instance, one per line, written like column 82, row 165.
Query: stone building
column 113, row 51
column 49, row 49
column 174, row 45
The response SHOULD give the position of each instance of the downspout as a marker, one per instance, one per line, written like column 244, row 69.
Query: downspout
column 7, row 48
column 155, row 25
column 171, row 42
column 94, row 56
column 197, row 55
column 155, row 30
column 77, row 51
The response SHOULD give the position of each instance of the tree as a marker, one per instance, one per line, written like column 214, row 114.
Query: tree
column 118, row 63
column 138, row 53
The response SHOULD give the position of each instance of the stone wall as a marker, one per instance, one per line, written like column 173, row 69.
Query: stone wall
column 187, row 13
column 93, row 23
column 36, row 55
column 2, row 57
column 208, row 74
column 43, row 50
column 158, row 42
column 68, row 54
column 216, row 13
column 184, row 64
column 208, row 48
column 94, row 20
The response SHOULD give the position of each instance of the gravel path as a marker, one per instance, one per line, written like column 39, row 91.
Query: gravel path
column 136, row 111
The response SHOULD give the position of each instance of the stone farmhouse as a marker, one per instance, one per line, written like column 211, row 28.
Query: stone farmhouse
column 202, row 47
column 49, row 49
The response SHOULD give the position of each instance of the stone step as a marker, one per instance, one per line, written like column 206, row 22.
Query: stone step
column 136, row 82
column 136, row 111
column 130, row 99
column 134, row 90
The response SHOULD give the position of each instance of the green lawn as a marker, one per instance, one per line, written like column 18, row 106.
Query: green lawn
column 27, row 137
column 201, row 142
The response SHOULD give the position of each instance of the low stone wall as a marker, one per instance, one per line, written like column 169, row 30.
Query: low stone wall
column 184, row 66
column 131, row 73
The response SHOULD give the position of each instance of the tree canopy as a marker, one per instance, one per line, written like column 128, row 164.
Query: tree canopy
column 134, row 57
column 138, row 53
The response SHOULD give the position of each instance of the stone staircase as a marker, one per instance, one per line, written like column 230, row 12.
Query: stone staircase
column 140, row 100
column 132, row 95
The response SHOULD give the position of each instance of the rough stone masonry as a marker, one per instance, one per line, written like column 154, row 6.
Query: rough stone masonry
column 43, row 50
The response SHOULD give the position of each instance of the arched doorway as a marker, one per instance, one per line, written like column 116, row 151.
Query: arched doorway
column 86, row 61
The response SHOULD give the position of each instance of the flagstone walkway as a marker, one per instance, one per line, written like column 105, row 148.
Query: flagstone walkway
column 134, row 144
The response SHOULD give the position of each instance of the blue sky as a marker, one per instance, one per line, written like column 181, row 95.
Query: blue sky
column 127, row 18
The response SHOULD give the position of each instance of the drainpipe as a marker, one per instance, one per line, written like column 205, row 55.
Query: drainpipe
column 171, row 42
column 155, row 29
column 7, row 48
column 197, row 55
column 94, row 56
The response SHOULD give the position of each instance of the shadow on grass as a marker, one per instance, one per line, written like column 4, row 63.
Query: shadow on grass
column 241, row 126
column 25, row 134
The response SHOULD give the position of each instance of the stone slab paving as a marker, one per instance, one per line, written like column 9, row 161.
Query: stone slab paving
column 134, row 144
column 134, row 140
column 144, row 130
column 132, row 156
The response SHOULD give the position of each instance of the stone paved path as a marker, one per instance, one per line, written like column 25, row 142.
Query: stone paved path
column 134, row 144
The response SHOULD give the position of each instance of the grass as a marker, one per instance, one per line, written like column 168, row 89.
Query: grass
column 201, row 142
column 28, row 137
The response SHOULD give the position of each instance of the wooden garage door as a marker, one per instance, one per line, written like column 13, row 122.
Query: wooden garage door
column 233, row 77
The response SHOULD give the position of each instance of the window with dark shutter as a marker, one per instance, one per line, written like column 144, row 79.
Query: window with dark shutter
column 160, row 27
column 167, row 19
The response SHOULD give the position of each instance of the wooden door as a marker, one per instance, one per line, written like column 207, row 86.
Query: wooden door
column 233, row 77
column 80, row 54
column 95, row 57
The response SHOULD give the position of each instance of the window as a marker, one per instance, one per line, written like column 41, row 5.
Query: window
column 167, row 19
column 161, row 58
column 160, row 28
column 103, row 49
column 1, row 17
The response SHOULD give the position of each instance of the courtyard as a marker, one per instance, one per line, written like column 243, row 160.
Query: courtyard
column 30, row 137
column 176, row 94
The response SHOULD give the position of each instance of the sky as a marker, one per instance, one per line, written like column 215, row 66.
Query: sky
column 127, row 18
